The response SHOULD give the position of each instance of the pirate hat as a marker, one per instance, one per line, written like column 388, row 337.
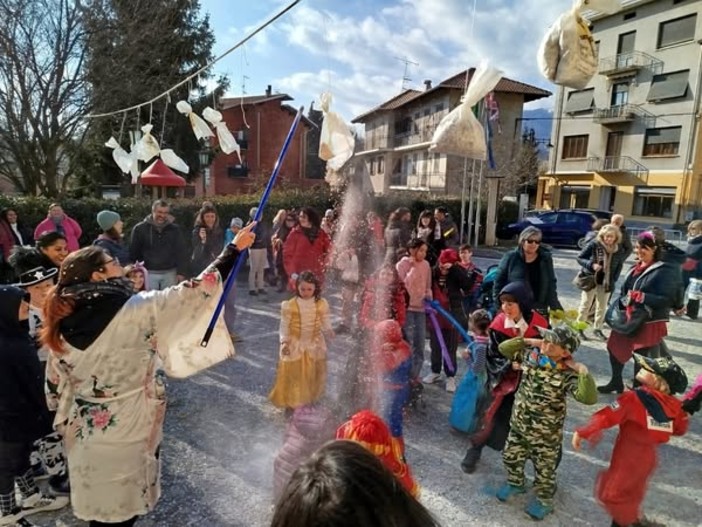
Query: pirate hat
column 35, row 276
column 667, row 369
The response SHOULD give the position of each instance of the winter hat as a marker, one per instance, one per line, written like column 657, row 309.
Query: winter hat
column 666, row 368
column 36, row 276
column 236, row 222
column 106, row 219
column 562, row 335
column 252, row 212
column 448, row 256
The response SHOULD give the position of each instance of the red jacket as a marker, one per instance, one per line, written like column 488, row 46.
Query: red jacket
column 622, row 487
column 299, row 254
column 7, row 241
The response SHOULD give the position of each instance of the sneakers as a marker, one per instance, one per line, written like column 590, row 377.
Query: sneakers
column 538, row 510
column 599, row 334
column 506, row 491
column 15, row 519
column 40, row 503
column 611, row 387
column 451, row 384
column 431, row 378
column 470, row 460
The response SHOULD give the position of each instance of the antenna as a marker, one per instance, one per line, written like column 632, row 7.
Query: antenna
column 405, row 77
column 243, row 84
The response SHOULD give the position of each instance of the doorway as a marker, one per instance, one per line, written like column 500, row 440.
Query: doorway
column 613, row 151
column 607, row 196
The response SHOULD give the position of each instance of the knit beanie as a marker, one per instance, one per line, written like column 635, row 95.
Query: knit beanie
column 236, row 222
column 106, row 219
column 252, row 212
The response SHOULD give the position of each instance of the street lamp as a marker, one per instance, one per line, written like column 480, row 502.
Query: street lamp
column 205, row 156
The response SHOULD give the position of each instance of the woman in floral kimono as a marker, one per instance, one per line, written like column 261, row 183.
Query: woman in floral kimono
column 105, row 344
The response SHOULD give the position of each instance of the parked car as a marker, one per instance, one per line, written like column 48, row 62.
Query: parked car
column 566, row 227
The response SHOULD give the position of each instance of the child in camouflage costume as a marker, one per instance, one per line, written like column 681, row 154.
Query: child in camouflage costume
column 536, row 433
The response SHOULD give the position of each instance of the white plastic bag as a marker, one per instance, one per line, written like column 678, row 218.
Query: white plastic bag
column 199, row 125
column 336, row 142
column 169, row 157
column 226, row 140
column 567, row 54
column 460, row 133
column 147, row 148
column 120, row 155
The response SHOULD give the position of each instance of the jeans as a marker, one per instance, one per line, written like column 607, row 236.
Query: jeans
column 160, row 280
column 416, row 332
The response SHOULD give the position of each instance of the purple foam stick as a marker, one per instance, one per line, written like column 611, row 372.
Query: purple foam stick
column 440, row 337
column 259, row 212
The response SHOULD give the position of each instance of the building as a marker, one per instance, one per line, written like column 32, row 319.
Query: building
column 630, row 141
column 398, row 133
column 260, row 124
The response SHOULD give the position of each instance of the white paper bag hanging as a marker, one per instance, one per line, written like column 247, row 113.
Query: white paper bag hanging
column 460, row 133
column 336, row 142
column 120, row 155
column 147, row 148
column 225, row 138
column 169, row 157
column 198, row 124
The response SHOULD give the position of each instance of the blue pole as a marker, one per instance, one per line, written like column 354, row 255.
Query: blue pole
column 259, row 212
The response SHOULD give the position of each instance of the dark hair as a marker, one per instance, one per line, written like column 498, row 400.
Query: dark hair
column 416, row 243
column 312, row 215
column 310, row 278
column 398, row 213
column 49, row 238
column 5, row 212
column 426, row 214
column 441, row 209
column 465, row 247
column 599, row 223
column 200, row 218
column 480, row 319
column 648, row 240
column 345, row 485
column 77, row 268
column 658, row 233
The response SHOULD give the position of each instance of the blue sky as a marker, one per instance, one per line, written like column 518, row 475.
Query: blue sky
column 350, row 47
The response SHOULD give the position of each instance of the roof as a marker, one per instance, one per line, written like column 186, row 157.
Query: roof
column 252, row 99
column 458, row 81
column 157, row 174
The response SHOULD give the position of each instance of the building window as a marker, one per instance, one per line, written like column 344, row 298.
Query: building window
column 439, row 108
column 575, row 147
column 677, row 30
column 630, row 15
column 238, row 171
column 381, row 165
column 580, row 101
column 654, row 201
column 668, row 86
column 620, row 93
column 413, row 165
column 371, row 166
column 662, row 141
column 398, row 178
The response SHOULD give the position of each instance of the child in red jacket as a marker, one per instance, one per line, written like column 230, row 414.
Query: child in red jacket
column 647, row 416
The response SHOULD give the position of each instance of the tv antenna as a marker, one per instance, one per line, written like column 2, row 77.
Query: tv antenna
column 405, row 76
column 243, row 84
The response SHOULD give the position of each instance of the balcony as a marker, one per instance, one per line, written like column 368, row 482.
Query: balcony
column 414, row 138
column 617, row 165
column 375, row 142
column 623, row 113
column 625, row 64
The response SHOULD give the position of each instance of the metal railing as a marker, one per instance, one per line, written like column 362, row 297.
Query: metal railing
column 617, row 164
column 422, row 180
column 413, row 138
column 633, row 60
column 623, row 113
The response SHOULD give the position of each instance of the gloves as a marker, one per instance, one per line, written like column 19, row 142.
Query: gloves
column 693, row 405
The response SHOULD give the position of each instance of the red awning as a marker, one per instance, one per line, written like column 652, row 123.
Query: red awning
column 159, row 175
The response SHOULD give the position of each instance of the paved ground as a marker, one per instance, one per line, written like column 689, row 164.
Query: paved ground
column 221, row 437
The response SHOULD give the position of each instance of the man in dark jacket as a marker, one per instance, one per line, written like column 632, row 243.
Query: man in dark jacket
column 158, row 242
column 24, row 416
column 675, row 257
column 446, row 234
column 627, row 247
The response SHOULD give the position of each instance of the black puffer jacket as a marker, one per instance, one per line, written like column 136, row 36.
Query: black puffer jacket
column 160, row 247
column 661, row 285
column 24, row 416
column 694, row 253
column 397, row 236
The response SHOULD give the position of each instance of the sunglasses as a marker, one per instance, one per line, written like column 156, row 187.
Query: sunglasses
column 537, row 242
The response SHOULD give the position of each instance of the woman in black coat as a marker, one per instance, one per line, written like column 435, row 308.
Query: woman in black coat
column 207, row 239
column 692, row 268
column 398, row 233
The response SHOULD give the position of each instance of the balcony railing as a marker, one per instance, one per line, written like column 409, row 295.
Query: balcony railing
column 617, row 165
column 623, row 113
column 629, row 62
column 376, row 142
column 413, row 138
column 422, row 180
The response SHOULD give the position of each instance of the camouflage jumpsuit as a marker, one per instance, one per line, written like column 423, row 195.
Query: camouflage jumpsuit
column 537, row 424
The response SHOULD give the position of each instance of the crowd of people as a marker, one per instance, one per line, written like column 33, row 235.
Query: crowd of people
column 401, row 284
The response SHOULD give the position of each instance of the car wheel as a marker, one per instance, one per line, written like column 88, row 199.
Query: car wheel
column 581, row 243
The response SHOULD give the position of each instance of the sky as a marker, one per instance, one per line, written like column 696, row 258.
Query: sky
column 355, row 48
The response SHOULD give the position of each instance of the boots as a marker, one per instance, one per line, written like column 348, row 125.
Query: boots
column 471, row 459
column 616, row 384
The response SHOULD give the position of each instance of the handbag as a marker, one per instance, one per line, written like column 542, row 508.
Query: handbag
column 627, row 323
column 464, row 407
column 584, row 280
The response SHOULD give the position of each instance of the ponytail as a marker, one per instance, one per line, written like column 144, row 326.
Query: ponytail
column 55, row 310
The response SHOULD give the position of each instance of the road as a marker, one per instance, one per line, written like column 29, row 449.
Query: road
column 221, row 436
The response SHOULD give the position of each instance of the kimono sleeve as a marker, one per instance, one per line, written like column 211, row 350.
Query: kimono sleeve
column 181, row 315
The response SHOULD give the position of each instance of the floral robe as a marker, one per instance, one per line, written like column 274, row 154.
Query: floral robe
column 111, row 404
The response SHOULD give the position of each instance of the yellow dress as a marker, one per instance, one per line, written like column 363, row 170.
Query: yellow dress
column 302, row 373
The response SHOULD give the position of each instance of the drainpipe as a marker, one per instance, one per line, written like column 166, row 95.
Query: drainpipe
column 694, row 125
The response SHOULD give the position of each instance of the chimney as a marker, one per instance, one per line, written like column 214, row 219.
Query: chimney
column 269, row 91
column 427, row 85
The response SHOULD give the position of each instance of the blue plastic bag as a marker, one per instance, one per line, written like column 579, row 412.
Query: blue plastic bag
column 463, row 416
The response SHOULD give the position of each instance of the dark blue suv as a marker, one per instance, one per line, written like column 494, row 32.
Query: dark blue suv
column 566, row 227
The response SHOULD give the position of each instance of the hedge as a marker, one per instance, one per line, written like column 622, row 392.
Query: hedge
column 32, row 210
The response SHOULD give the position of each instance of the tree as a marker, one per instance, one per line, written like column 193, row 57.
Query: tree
column 524, row 170
column 136, row 51
column 42, row 93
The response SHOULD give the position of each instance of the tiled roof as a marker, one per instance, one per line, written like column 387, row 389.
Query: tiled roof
column 458, row 81
column 397, row 101
column 252, row 99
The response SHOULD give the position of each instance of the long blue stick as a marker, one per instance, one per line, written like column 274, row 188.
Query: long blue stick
column 259, row 212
